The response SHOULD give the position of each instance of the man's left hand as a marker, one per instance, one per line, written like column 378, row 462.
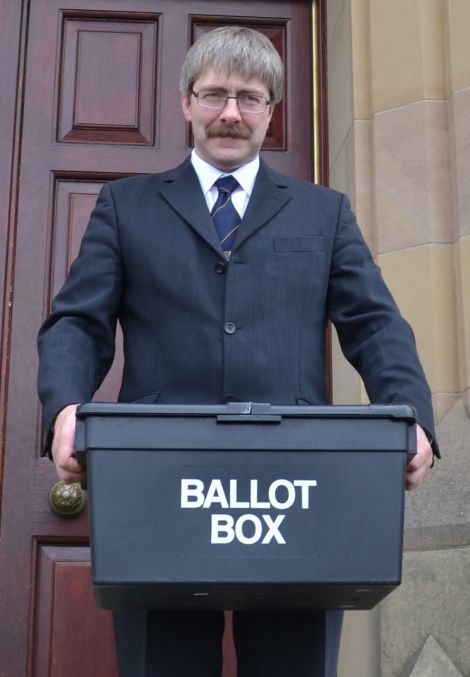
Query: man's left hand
column 421, row 463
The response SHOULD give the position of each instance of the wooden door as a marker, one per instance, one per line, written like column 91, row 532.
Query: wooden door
column 90, row 94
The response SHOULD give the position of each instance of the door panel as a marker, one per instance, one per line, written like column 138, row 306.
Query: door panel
column 108, row 84
column 64, row 609
column 97, row 99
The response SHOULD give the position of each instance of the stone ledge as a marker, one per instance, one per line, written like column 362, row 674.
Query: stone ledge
column 437, row 537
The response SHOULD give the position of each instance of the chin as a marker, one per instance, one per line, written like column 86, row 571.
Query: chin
column 228, row 163
column 231, row 156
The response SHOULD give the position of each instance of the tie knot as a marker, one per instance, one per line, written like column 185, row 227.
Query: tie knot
column 226, row 184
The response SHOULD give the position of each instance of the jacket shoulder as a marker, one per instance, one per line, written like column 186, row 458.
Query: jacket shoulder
column 300, row 187
column 144, row 183
column 141, row 182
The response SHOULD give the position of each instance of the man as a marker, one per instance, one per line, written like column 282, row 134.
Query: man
column 231, row 307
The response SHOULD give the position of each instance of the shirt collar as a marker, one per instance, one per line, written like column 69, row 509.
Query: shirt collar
column 208, row 174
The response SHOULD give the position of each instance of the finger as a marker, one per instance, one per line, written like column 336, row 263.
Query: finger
column 417, row 462
column 421, row 462
column 71, row 478
column 414, row 479
column 416, row 473
column 71, row 465
column 70, row 472
column 67, row 466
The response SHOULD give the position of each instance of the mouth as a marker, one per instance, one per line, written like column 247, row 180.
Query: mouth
column 227, row 132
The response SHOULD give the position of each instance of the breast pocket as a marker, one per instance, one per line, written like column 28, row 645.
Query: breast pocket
column 304, row 243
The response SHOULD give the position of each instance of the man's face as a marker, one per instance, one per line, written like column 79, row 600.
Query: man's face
column 227, row 138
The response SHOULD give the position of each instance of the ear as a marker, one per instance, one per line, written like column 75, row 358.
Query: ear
column 186, row 107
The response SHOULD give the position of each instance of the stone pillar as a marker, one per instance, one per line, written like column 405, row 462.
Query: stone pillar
column 399, row 98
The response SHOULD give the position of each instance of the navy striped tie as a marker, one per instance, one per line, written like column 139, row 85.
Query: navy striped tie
column 225, row 216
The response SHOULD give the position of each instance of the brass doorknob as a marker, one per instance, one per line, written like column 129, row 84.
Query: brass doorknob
column 67, row 499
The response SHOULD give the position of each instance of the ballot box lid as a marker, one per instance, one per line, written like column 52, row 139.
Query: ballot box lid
column 237, row 425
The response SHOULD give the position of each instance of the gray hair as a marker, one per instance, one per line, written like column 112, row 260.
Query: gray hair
column 237, row 49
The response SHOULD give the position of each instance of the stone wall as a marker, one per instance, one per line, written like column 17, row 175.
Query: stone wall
column 399, row 117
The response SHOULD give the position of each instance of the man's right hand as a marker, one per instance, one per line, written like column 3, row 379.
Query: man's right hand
column 63, row 446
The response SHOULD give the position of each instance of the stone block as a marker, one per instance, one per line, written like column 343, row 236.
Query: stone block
column 434, row 662
column 433, row 599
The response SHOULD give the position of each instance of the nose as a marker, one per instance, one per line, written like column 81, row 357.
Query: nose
column 230, row 112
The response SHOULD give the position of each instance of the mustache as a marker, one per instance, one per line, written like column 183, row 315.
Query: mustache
column 227, row 131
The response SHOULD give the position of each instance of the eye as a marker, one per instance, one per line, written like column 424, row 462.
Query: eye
column 251, row 99
column 212, row 95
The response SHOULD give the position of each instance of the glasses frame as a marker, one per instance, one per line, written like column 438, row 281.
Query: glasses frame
column 230, row 96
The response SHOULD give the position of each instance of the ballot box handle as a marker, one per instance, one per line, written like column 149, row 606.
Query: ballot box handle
column 249, row 412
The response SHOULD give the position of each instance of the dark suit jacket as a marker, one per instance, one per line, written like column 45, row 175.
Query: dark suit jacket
column 199, row 331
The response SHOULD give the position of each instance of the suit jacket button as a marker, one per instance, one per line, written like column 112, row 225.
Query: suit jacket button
column 220, row 268
column 230, row 328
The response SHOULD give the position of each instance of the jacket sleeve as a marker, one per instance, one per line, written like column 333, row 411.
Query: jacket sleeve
column 373, row 335
column 76, row 342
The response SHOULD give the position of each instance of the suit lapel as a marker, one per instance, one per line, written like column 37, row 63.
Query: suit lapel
column 183, row 192
column 270, row 195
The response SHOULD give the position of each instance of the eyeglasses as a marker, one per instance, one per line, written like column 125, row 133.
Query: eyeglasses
column 216, row 99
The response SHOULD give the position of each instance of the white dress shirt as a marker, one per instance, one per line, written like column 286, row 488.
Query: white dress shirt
column 208, row 175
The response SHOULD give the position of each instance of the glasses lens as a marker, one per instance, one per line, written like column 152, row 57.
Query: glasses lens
column 216, row 100
column 208, row 98
column 251, row 103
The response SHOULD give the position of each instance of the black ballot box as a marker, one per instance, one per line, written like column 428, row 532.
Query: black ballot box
column 245, row 505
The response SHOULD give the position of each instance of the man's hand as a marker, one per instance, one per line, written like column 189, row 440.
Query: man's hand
column 421, row 463
column 63, row 452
